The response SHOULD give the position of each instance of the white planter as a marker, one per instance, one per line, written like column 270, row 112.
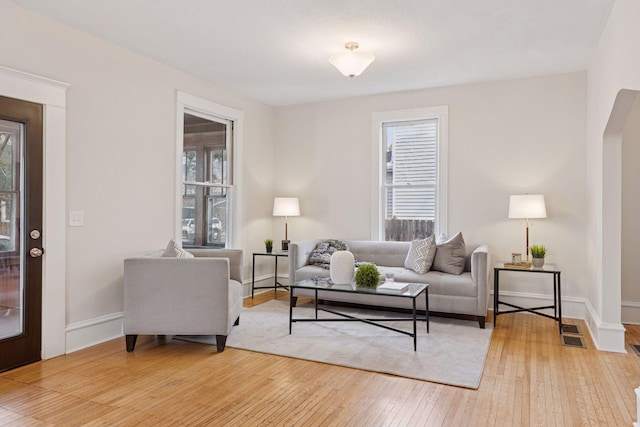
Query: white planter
column 538, row 262
column 342, row 267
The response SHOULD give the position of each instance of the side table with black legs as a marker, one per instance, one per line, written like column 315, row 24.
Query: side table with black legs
column 275, row 285
column 557, row 300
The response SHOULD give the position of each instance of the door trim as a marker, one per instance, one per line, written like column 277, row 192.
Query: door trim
column 52, row 95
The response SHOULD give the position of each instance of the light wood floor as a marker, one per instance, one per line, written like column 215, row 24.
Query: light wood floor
column 530, row 379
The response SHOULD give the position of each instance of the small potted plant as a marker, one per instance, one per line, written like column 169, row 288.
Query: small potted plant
column 367, row 276
column 538, row 252
column 268, row 244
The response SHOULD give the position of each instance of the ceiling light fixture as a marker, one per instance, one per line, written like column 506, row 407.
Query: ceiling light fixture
column 352, row 63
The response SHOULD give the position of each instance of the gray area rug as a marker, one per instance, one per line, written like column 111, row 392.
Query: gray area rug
column 453, row 353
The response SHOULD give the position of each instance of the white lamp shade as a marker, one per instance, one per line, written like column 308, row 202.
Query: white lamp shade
column 527, row 206
column 286, row 206
column 352, row 63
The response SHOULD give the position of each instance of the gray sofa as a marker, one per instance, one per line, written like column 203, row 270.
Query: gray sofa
column 183, row 296
column 465, row 294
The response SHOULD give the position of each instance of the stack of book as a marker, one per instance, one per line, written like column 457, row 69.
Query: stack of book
column 394, row 286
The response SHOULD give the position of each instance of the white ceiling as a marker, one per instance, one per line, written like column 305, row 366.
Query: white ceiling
column 276, row 51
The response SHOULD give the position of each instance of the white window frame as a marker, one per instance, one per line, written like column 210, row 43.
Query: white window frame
column 441, row 114
column 204, row 108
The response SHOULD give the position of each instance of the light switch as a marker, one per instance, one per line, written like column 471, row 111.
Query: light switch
column 76, row 218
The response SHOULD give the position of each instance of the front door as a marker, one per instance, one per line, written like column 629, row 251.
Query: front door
column 21, row 154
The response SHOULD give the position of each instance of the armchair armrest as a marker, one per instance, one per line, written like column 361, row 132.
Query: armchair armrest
column 235, row 257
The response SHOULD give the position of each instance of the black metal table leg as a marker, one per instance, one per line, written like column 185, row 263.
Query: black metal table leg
column 559, row 305
column 275, row 280
column 291, row 299
column 253, row 274
column 415, row 332
column 496, row 296
column 426, row 313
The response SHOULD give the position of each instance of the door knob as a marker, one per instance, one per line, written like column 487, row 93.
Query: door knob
column 35, row 252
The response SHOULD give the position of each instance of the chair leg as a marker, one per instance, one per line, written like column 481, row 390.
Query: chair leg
column 221, row 341
column 481, row 320
column 237, row 322
column 131, row 342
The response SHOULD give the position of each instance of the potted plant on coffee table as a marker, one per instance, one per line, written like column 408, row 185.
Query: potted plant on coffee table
column 538, row 252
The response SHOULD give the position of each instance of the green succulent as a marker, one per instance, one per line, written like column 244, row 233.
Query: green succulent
column 538, row 251
column 367, row 276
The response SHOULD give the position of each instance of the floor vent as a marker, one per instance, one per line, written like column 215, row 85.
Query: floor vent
column 571, row 329
column 570, row 341
column 636, row 348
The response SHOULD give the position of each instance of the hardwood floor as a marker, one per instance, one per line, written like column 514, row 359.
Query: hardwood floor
column 530, row 379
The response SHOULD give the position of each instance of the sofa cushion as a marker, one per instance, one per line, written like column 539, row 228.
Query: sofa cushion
column 174, row 250
column 391, row 254
column 421, row 254
column 450, row 255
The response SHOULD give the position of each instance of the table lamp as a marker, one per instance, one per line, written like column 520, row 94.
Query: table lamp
column 527, row 206
column 286, row 207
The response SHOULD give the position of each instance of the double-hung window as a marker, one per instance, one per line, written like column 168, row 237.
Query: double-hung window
column 208, row 137
column 207, row 185
column 410, row 200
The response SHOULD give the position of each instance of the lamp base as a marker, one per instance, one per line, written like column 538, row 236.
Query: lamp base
column 285, row 245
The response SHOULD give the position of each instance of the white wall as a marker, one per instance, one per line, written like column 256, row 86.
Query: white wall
column 507, row 137
column 121, row 110
column 630, row 215
column 614, row 66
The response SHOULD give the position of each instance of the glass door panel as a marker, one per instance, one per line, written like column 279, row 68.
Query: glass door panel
column 11, row 280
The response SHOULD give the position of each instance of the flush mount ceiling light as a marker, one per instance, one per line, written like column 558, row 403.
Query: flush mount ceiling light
column 352, row 63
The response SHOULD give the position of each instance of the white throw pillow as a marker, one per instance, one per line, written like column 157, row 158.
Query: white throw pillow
column 421, row 255
column 174, row 250
column 450, row 255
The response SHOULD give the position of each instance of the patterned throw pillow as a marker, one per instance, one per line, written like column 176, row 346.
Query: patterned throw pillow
column 450, row 255
column 173, row 250
column 421, row 254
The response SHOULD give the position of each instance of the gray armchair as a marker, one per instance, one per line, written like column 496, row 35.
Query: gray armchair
column 183, row 296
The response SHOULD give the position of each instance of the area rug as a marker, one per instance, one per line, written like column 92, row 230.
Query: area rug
column 453, row 353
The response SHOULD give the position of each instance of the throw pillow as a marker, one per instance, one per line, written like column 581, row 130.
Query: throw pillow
column 321, row 255
column 174, row 250
column 421, row 254
column 450, row 255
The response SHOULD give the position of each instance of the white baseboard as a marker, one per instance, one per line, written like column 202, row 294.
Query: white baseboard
column 87, row 333
column 606, row 336
column 94, row 331
column 631, row 312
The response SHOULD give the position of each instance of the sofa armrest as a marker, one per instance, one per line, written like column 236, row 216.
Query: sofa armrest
column 236, row 259
column 299, row 256
column 480, row 276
